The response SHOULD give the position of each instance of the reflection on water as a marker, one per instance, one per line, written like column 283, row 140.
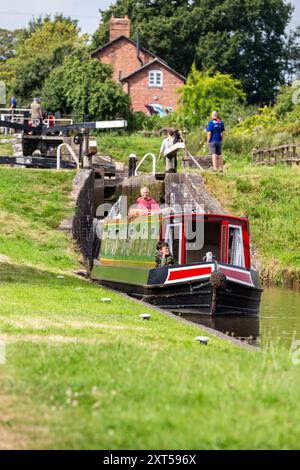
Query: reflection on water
column 280, row 316
column 278, row 322
column 244, row 328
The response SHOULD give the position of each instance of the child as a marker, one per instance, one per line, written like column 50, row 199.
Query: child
column 163, row 256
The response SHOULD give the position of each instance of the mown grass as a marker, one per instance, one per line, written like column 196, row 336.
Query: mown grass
column 85, row 374
column 120, row 145
column 6, row 148
column 270, row 197
column 32, row 205
column 90, row 375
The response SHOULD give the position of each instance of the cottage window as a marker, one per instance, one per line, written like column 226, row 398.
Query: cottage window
column 155, row 78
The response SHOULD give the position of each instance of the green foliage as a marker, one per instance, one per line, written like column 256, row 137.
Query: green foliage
column 38, row 51
column 204, row 93
column 8, row 40
column 267, row 117
column 244, row 186
column 234, row 37
column 119, row 145
column 270, row 197
column 287, row 106
column 284, row 101
column 82, row 85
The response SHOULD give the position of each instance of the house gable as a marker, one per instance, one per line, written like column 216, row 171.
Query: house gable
column 152, row 64
column 146, row 78
column 142, row 93
column 121, row 54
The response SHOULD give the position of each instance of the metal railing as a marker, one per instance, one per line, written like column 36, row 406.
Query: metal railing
column 72, row 153
column 17, row 115
column 57, row 121
column 13, row 115
column 142, row 161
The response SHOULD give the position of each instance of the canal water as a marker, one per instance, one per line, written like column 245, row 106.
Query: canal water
column 278, row 322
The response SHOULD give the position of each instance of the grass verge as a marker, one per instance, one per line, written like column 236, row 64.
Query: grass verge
column 120, row 145
column 6, row 148
column 88, row 375
column 83, row 374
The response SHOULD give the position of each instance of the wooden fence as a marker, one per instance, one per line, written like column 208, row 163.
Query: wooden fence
column 289, row 154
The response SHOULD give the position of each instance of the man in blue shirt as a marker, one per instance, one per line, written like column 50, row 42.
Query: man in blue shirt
column 13, row 103
column 215, row 134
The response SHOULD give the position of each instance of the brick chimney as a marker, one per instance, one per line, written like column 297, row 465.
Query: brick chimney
column 119, row 27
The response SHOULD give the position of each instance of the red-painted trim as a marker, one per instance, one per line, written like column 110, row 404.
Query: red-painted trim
column 244, row 277
column 246, row 242
column 224, row 248
column 182, row 274
column 224, row 217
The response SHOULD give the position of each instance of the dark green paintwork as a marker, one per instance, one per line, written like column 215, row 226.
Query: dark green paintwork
column 130, row 274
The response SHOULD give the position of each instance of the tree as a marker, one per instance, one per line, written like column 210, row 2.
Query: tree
column 204, row 93
column 243, row 38
column 162, row 28
column 292, row 66
column 8, row 40
column 41, row 48
column 82, row 85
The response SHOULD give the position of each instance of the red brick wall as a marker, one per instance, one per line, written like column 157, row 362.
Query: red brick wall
column 119, row 27
column 141, row 94
column 122, row 56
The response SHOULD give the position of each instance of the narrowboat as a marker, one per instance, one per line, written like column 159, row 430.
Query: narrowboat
column 212, row 273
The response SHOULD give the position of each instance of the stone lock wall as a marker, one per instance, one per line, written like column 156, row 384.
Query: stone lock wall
column 131, row 187
column 82, row 223
column 189, row 191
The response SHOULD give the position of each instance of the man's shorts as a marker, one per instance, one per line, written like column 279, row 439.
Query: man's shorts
column 215, row 148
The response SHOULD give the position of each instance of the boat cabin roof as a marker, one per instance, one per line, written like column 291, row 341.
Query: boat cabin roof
column 212, row 217
column 181, row 215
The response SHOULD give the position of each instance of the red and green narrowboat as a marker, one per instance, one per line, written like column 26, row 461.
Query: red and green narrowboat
column 212, row 272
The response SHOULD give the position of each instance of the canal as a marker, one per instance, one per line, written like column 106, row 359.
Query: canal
column 278, row 322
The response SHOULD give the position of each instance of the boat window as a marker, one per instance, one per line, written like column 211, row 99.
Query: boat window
column 141, row 246
column 128, row 248
column 235, row 246
column 116, row 242
column 150, row 248
column 144, row 234
column 212, row 232
column 154, row 233
column 173, row 237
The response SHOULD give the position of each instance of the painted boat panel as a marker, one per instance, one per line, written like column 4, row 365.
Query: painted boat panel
column 137, row 275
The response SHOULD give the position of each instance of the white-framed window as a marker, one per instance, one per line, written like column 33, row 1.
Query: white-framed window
column 235, row 246
column 155, row 78
column 173, row 237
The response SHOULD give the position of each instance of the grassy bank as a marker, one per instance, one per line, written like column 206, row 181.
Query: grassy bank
column 120, row 145
column 6, row 148
column 32, row 204
column 88, row 375
column 85, row 374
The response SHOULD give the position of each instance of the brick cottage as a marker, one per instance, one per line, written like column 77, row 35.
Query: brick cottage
column 146, row 78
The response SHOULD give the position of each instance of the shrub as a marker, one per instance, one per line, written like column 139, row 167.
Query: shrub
column 205, row 92
column 244, row 186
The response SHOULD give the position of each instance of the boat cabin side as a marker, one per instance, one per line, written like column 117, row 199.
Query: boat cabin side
column 190, row 238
